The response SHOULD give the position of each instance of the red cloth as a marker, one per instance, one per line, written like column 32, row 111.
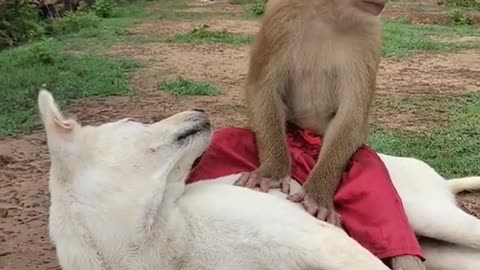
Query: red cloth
column 371, row 209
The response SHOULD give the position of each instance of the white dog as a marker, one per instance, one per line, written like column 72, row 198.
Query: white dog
column 119, row 201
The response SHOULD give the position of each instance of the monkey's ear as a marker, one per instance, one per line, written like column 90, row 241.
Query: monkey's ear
column 53, row 120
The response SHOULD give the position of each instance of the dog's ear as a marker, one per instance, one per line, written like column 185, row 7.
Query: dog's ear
column 53, row 120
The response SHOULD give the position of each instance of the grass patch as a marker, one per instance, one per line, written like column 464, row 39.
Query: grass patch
column 242, row 2
column 201, row 35
column 174, row 15
column 401, row 39
column 105, row 22
column 452, row 150
column 451, row 154
column 427, row 104
column 182, row 87
column 25, row 69
column 469, row 4
column 258, row 8
column 67, row 60
column 105, row 32
column 73, row 23
column 459, row 17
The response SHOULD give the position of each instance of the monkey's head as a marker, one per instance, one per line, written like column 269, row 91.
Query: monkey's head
column 361, row 9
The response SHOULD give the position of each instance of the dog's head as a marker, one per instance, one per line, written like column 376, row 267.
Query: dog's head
column 108, row 155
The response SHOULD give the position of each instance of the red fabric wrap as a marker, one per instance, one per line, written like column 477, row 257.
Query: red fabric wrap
column 371, row 209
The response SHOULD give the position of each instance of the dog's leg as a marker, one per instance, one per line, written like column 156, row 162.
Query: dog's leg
column 458, row 185
column 446, row 222
column 445, row 256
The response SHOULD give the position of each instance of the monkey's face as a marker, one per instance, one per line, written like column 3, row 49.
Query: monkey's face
column 369, row 8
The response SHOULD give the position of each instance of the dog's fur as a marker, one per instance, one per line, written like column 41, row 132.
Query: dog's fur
column 119, row 201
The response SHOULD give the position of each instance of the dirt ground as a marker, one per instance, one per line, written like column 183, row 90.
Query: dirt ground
column 24, row 196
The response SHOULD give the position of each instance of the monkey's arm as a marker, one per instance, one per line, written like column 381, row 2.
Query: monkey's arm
column 267, row 119
column 346, row 132
column 267, row 81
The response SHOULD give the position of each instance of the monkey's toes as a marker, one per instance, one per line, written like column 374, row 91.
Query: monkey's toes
column 407, row 262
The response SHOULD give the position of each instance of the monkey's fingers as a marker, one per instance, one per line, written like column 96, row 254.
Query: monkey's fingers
column 266, row 184
column 242, row 180
column 297, row 197
column 323, row 214
column 334, row 219
column 285, row 184
column 253, row 181
column 311, row 207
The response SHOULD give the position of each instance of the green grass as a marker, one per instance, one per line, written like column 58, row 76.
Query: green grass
column 182, row 87
column 258, row 8
column 242, row 2
column 24, row 70
column 425, row 104
column 104, row 33
column 451, row 149
column 201, row 35
column 401, row 39
column 69, row 63
column 468, row 4
column 178, row 15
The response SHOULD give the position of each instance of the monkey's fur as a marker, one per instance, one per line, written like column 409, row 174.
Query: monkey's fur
column 314, row 64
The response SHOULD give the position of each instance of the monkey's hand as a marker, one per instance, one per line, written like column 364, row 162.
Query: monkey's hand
column 323, row 211
column 254, row 179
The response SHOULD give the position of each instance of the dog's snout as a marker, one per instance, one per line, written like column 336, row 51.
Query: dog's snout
column 197, row 115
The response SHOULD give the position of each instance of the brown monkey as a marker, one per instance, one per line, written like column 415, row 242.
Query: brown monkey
column 314, row 63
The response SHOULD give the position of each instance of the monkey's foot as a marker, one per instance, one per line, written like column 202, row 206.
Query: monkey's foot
column 407, row 262
column 253, row 180
column 327, row 214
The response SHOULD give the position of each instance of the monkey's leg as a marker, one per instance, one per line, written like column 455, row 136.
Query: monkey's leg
column 345, row 133
column 407, row 263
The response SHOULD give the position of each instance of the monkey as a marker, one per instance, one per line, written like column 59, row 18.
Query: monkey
column 314, row 63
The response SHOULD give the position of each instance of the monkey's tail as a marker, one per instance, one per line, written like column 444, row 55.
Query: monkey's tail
column 465, row 183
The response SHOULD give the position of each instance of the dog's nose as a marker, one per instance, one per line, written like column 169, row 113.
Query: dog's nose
column 198, row 110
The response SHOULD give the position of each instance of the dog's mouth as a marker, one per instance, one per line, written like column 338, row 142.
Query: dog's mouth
column 199, row 128
column 197, row 161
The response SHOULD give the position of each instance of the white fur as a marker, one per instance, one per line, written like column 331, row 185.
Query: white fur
column 446, row 256
column 118, row 201
column 431, row 208
column 430, row 204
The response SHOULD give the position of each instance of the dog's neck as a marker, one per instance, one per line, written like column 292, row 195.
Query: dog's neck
column 102, row 232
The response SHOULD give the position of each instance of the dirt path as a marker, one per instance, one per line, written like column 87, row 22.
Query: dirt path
column 24, row 197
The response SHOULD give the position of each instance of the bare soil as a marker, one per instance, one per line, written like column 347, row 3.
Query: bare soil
column 24, row 163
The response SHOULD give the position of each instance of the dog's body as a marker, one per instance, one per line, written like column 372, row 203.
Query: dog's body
column 119, row 201
column 430, row 205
